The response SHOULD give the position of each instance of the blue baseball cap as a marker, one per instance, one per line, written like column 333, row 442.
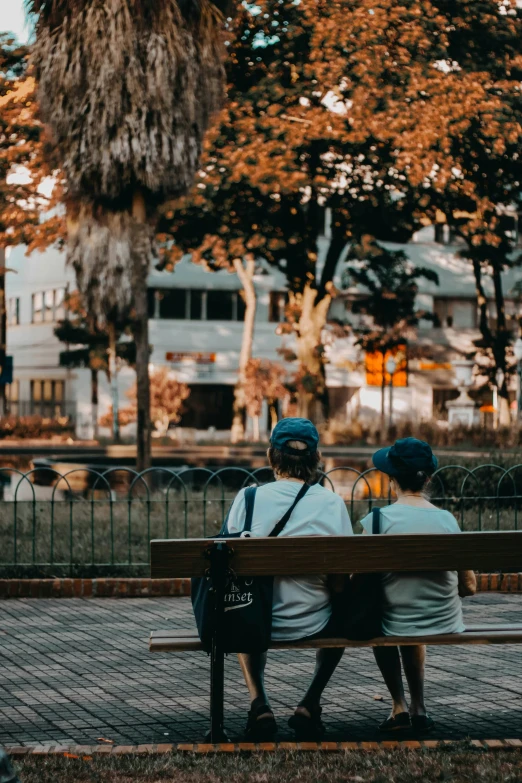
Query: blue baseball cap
column 295, row 429
column 406, row 456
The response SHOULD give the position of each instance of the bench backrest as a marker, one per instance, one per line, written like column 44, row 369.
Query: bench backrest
column 295, row 555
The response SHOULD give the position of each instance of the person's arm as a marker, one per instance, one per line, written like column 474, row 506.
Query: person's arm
column 467, row 579
column 336, row 582
column 236, row 514
column 467, row 583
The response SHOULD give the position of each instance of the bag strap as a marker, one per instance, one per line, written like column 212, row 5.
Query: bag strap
column 376, row 521
column 282, row 522
column 250, row 498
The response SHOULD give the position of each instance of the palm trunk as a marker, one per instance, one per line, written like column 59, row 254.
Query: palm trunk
column 245, row 274
column 94, row 403
column 113, row 376
column 141, row 337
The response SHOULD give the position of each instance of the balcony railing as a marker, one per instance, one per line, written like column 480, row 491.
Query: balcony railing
column 45, row 409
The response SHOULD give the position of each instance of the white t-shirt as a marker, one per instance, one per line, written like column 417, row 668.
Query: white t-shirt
column 418, row 603
column 301, row 607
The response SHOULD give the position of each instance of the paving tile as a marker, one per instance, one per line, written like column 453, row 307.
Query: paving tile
column 77, row 670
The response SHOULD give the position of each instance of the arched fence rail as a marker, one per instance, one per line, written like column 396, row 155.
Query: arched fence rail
column 87, row 522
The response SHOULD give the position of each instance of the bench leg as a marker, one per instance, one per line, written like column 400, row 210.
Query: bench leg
column 217, row 688
column 219, row 558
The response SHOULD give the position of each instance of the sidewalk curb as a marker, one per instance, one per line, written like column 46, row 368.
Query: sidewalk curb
column 154, row 588
column 87, row 751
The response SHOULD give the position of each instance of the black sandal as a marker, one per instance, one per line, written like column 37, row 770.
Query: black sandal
column 260, row 728
column 399, row 722
column 422, row 723
column 307, row 729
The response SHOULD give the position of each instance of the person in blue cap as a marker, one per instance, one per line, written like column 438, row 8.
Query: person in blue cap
column 414, row 603
column 302, row 606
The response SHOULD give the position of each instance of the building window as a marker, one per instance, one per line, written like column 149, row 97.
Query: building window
column 196, row 304
column 47, row 398
column 48, row 306
column 59, row 304
column 37, row 308
column 198, row 300
column 276, row 306
column 455, row 313
column 221, row 305
column 440, row 399
column 13, row 311
column 12, row 395
column 172, row 303
column 209, row 405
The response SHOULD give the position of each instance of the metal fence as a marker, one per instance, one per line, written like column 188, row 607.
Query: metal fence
column 87, row 522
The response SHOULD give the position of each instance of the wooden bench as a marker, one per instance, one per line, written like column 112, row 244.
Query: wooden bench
column 295, row 556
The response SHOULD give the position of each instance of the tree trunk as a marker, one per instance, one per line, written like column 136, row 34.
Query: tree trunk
column 383, row 398
column 245, row 273
column 113, row 376
column 3, row 328
column 274, row 418
column 309, row 351
column 141, row 335
column 496, row 342
column 94, row 403
column 256, row 429
column 502, row 339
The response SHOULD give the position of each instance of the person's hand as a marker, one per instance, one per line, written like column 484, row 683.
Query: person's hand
column 467, row 583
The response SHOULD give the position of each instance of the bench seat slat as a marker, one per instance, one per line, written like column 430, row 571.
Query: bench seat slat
column 174, row 641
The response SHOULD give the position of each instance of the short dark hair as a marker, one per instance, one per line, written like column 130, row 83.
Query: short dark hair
column 305, row 467
column 414, row 481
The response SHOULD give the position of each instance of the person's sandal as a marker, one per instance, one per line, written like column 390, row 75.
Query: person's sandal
column 422, row 723
column 307, row 729
column 399, row 722
column 261, row 724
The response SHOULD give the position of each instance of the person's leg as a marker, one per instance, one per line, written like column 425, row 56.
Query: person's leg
column 261, row 724
column 389, row 663
column 253, row 668
column 413, row 661
column 326, row 662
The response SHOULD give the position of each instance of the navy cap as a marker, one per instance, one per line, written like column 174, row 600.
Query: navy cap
column 295, row 429
column 406, row 456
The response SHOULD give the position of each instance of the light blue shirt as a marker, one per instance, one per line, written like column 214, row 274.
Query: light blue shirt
column 419, row 603
column 301, row 605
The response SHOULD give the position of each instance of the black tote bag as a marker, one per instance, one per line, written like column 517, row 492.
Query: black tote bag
column 363, row 598
column 247, row 618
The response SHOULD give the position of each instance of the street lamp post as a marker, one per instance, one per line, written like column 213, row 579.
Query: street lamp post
column 517, row 350
column 391, row 366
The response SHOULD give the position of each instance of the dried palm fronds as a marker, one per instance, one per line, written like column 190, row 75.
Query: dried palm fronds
column 128, row 87
column 110, row 253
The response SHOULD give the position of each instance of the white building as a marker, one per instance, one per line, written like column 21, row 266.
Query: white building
column 206, row 355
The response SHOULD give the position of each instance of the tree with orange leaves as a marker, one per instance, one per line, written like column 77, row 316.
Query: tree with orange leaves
column 358, row 107
column 23, row 166
column 167, row 396
column 264, row 381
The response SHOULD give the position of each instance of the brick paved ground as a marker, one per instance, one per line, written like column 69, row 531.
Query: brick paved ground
column 76, row 670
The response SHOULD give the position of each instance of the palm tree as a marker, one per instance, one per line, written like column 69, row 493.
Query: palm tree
column 127, row 88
